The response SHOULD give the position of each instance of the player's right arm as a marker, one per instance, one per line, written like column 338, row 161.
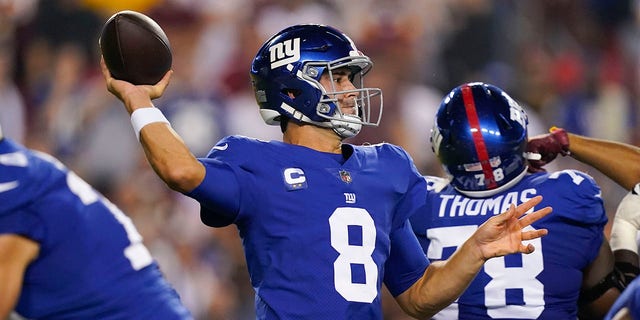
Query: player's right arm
column 166, row 152
column 619, row 161
column 16, row 253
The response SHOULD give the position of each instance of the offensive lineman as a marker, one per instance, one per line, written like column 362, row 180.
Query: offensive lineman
column 480, row 137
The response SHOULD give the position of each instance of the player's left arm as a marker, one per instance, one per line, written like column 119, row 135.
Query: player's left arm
column 444, row 281
column 602, row 284
column 616, row 265
column 16, row 253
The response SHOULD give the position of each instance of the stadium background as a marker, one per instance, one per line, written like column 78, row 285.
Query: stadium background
column 572, row 64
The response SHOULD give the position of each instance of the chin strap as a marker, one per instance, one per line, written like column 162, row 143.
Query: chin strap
column 347, row 126
column 346, row 129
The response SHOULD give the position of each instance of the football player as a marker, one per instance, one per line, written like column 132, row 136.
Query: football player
column 480, row 138
column 66, row 252
column 323, row 223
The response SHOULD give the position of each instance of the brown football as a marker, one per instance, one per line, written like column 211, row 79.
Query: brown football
column 135, row 48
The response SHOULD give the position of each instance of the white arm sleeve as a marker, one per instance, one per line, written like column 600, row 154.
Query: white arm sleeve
column 626, row 223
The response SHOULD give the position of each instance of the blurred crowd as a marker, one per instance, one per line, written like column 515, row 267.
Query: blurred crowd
column 572, row 64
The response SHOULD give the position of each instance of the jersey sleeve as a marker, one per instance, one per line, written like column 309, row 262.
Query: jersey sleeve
column 219, row 191
column 415, row 195
column 581, row 195
column 406, row 263
column 18, row 189
column 218, row 194
column 22, row 222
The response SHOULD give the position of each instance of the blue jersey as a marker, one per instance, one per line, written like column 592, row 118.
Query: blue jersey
column 629, row 299
column 542, row 285
column 319, row 232
column 92, row 263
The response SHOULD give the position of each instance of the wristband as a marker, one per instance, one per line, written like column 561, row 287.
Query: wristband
column 562, row 138
column 144, row 116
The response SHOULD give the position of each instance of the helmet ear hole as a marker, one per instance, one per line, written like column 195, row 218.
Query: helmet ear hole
column 292, row 93
column 503, row 123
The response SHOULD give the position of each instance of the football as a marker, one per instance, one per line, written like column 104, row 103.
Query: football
column 135, row 48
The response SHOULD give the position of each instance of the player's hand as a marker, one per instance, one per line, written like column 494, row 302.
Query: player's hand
column 131, row 94
column 503, row 234
column 542, row 149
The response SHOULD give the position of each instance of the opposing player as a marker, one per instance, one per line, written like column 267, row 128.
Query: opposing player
column 480, row 136
column 323, row 222
column 66, row 252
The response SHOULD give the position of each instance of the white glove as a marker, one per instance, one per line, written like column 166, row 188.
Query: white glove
column 626, row 222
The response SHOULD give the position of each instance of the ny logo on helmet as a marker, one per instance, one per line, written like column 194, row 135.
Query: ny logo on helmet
column 284, row 52
column 516, row 112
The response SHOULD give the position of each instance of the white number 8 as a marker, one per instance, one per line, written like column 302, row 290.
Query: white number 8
column 502, row 277
column 339, row 223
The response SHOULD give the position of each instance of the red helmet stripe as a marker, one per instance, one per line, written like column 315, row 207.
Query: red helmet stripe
column 478, row 139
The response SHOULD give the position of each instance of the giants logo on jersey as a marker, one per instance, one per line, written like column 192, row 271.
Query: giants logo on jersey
column 349, row 197
column 284, row 52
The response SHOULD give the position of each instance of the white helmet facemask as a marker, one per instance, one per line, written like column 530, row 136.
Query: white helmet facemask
column 367, row 102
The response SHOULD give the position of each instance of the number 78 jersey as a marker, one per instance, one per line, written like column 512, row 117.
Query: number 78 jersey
column 542, row 285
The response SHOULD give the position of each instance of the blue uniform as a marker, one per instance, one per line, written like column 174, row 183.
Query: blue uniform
column 542, row 285
column 320, row 233
column 92, row 263
column 629, row 299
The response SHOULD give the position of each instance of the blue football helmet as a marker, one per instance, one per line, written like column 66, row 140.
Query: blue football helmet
column 286, row 72
column 480, row 137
